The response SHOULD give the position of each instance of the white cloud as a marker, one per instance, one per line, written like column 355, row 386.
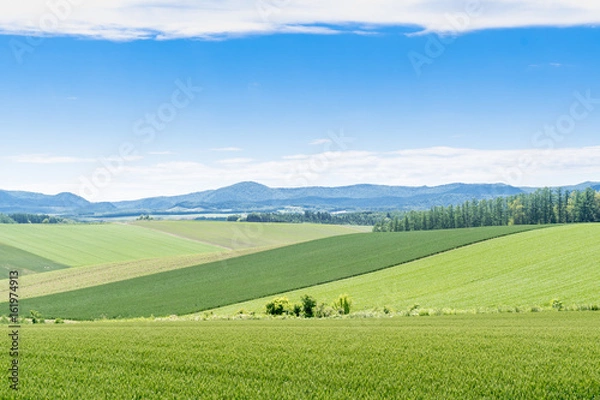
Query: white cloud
column 415, row 167
column 137, row 19
column 552, row 64
column 47, row 159
column 161, row 153
column 227, row 149
column 317, row 142
column 235, row 161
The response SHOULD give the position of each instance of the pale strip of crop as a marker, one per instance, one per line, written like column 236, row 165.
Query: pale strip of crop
column 64, row 280
column 240, row 235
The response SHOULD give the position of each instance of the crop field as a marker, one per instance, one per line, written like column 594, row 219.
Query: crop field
column 216, row 284
column 64, row 280
column 78, row 245
column 12, row 258
column 529, row 269
column 551, row 355
column 241, row 235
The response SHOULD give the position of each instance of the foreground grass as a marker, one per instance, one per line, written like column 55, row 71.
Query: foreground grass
column 526, row 270
column 78, row 245
column 503, row 356
column 242, row 235
column 206, row 286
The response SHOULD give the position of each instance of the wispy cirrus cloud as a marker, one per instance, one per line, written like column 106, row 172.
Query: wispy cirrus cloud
column 137, row 19
column 318, row 142
column 226, row 149
column 48, row 159
column 235, row 161
column 51, row 159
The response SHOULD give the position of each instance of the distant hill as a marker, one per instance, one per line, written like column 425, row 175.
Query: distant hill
column 251, row 196
column 61, row 204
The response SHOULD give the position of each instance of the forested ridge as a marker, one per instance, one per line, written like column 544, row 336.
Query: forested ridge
column 544, row 206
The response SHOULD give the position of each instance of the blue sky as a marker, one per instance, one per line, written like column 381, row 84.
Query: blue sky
column 129, row 113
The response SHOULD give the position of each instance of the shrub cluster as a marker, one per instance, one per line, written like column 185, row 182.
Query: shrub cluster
column 308, row 307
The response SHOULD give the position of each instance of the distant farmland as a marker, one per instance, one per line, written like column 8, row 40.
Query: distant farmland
column 79, row 245
column 530, row 269
column 12, row 258
column 241, row 235
column 256, row 275
column 106, row 253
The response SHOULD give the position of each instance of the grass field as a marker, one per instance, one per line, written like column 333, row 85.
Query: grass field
column 64, row 280
column 216, row 284
column 78, row 245
column 529, row 269
column 241, row 235
column 552, row 355
column 12, row 258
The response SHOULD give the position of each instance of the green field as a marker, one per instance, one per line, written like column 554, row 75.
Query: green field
column 64, row 280
column 551, row 355
column 78, row 245
column 230, row 281
column 528, row 269
column 115, row 252
column 241, row 235
column 12, row 258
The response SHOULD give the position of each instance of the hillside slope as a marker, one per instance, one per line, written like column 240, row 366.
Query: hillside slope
column 12, row 258
column 243, row 235
column 78, row 245
column 528, row 269
column 215, row 284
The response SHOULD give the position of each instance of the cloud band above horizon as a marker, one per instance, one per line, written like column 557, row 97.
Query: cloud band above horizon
column 415, row 167
column 120, row 20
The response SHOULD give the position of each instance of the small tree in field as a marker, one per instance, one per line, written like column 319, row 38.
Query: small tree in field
column 308, row 306
column 343, row 304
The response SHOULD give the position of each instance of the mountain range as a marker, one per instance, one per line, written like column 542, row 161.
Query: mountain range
column 253, row 197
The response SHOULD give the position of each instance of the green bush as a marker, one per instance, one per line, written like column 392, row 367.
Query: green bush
column 279, row 306
column 343, row 304
column 36, row 317
column 557, row 304
column 308, row 306
column 297, row 309
column 59, row 321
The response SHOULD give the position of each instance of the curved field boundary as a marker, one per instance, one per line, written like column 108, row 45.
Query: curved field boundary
column 207, row 286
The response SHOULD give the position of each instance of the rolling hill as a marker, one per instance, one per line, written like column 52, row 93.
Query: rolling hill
column 233, row 239
column 251, row 196
column 79, row 245
column 242, row 235
column 256, row 275
column 12, row 258
column 529, row 269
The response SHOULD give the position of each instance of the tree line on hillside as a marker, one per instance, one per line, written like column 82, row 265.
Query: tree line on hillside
column 21, row 218
column 544, row 206
column 367, row 218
